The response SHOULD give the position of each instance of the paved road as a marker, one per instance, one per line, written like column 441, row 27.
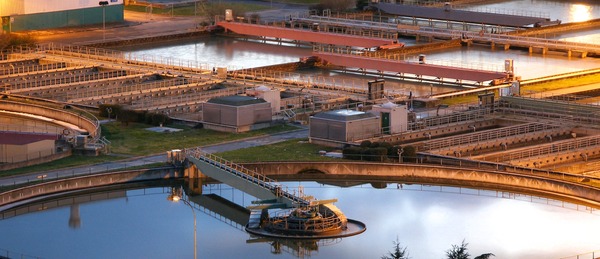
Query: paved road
column 158, row 158
column 136, row 25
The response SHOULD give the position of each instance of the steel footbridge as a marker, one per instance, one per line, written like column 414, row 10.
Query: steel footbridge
column 246, row 180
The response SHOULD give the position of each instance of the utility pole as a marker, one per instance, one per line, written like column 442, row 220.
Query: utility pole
column 103, row 4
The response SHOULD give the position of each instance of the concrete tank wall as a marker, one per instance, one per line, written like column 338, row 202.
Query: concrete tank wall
column 89, row 181
column 92, row 127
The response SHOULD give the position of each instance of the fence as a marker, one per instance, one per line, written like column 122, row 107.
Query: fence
column 589, row 255
column 494, row 134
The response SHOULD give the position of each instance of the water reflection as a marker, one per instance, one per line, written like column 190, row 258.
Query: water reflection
column 566, row 11
column 580, row 12
column 425, row 219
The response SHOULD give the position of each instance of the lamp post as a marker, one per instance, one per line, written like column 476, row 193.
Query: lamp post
column 103, row 4
column 177, row 195
column 400, row 151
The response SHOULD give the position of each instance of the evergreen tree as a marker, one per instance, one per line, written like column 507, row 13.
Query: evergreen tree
column 458, row 251
column 398, row 253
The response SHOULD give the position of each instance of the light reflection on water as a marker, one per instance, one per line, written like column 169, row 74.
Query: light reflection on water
column 425, row 219
column 566, row 11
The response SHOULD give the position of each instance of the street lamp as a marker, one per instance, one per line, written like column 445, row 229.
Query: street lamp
column 103, row 4
column 400, row 151
column 177, row 195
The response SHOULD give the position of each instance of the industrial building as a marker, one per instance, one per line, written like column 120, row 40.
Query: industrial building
column 25, row 15
column 336, row 128
column 236, row 113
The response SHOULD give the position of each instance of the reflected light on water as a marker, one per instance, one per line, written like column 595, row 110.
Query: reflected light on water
column 580, row 12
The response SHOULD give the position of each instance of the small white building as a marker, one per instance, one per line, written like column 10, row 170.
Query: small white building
column 270, row 95
column 394, row 117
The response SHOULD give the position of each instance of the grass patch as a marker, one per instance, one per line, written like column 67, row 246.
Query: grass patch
column 72, row 161
column 559, row 84
column 135, row 140
column 463, row 99
column 291, row 150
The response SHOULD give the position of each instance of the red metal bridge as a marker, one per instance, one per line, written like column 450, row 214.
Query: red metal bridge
column 304, row 35
column 415, row 68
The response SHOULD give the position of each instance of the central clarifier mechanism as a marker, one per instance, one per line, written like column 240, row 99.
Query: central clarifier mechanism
column 278, row 213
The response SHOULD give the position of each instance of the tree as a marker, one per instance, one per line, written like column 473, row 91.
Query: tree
column 409, row 153
column 484, row 256
column 398, row 253
column 11, row 40
column 458, row 251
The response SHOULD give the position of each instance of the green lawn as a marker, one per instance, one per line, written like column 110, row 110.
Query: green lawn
column 136, row 140
column 564, row 83
column 291, row 150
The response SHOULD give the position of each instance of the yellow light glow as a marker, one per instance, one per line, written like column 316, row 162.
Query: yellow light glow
column 580, row 12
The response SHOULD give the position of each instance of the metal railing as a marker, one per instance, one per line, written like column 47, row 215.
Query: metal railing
column 589, row 255
column 281, row 221
column 131, row 60
column 494, row 134
column 31, row 68
column 183, row 100
column 118, row 91
column 56, row 81
column 244, row 173
column 401, row 57
column 553, row 148
column 555, row 112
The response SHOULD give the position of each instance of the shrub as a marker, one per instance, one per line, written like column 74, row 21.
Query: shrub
column 365, row 144
column 410, row 153
column 354, row 153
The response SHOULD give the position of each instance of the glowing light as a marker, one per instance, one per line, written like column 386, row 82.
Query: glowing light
column 580, row 12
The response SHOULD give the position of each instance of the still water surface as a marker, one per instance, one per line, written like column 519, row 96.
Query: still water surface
column 428, row 220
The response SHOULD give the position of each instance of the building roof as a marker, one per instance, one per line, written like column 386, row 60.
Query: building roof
column 344, row 115
column 24, row 138
column 236, row 100
column 389, row 105
column 263, row 88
